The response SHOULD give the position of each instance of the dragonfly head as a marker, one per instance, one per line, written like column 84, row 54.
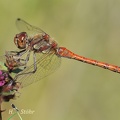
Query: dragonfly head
column 21, row 40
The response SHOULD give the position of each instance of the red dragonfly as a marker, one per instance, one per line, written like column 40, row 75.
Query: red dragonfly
column 45, row 55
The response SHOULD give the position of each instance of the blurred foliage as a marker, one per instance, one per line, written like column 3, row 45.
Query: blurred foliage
column 76, row 91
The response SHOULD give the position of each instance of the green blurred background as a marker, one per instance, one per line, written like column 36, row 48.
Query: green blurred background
column 76, row 91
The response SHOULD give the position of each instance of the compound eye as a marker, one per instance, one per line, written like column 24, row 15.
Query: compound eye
column 20, row 40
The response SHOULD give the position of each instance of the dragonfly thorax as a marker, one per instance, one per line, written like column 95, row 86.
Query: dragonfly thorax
column 42, row 43
column 42, row 46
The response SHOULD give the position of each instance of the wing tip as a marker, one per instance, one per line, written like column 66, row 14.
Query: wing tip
column 18, row 19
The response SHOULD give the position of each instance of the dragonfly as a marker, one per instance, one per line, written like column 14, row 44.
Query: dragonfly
column 40, row 55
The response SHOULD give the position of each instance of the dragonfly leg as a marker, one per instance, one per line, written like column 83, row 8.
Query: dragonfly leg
column 20, row 53
column 34, row 64
column 24, row 60
column 27, row 58
column 34, row 60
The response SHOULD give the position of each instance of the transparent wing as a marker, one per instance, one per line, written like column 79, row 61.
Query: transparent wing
column 23, row 26
column 46, row 64
column 2, row 58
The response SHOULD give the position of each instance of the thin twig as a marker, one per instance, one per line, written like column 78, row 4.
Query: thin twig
column 0, row 108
